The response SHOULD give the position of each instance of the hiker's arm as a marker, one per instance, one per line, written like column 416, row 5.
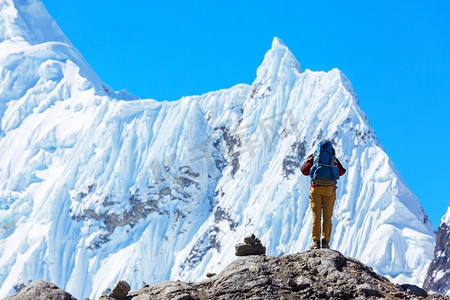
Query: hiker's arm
column 306, row 166
column 340, row 167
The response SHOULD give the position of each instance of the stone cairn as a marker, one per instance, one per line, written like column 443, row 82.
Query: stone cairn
column 251, row 246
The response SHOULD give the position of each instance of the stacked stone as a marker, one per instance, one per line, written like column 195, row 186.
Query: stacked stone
column 251, row 246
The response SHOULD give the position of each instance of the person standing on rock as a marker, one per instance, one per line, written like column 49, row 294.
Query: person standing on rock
column 324, row 169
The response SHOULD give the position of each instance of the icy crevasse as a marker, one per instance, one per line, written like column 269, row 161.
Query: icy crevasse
column 94, row 189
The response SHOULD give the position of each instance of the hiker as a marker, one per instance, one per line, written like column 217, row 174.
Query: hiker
column 324, row 169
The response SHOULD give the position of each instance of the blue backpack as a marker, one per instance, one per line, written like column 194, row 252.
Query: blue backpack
column 324, row 165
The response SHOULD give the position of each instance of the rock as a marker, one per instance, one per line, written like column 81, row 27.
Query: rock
column 251, row 239
column 243, row 249
column 367, row 290
column 291, row 282
column 185, row 296
column 303, row 282
column 299, row 283
column 120, row 290
column 169, row 290
column 414, row 289
column 41, row 290
column 209, row 275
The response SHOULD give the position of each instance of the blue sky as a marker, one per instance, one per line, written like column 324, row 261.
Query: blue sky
column 395, row 53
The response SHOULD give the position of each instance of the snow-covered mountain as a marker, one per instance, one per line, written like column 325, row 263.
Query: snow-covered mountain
column 95, row 186
column 438, row 275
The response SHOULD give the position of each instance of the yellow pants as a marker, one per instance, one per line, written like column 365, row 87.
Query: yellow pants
column 321, row 200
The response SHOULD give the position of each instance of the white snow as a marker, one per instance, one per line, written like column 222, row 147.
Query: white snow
column 446, row 218
column 440, row 274
column 94, row 188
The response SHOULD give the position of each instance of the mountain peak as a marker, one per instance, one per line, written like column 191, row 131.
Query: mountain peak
column 446, row 217
column 28, row 20
column 277, row 43
column 278, row 60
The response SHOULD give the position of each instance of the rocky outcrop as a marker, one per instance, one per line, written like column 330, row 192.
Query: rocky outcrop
column 41, row 290
column 251, row 246
column 315, row 274
column 438, row 275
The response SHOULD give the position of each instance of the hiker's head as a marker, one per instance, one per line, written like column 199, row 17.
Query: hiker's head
column 323, row 142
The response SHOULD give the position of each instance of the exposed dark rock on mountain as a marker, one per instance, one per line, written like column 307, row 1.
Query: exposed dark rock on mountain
column 316, row 274
column 438, row 275
column 293, row 160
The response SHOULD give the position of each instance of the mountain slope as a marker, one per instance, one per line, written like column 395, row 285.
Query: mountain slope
column 438, row 275
column 94, row 188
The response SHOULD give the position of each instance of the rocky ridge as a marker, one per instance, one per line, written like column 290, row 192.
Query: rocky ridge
column 315, row 274
column 438, row 275
column 41, row 290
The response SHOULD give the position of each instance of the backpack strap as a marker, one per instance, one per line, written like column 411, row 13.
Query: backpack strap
column 322, row 164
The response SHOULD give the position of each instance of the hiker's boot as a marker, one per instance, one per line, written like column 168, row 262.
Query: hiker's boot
column 325, row 244
column 315, row 245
